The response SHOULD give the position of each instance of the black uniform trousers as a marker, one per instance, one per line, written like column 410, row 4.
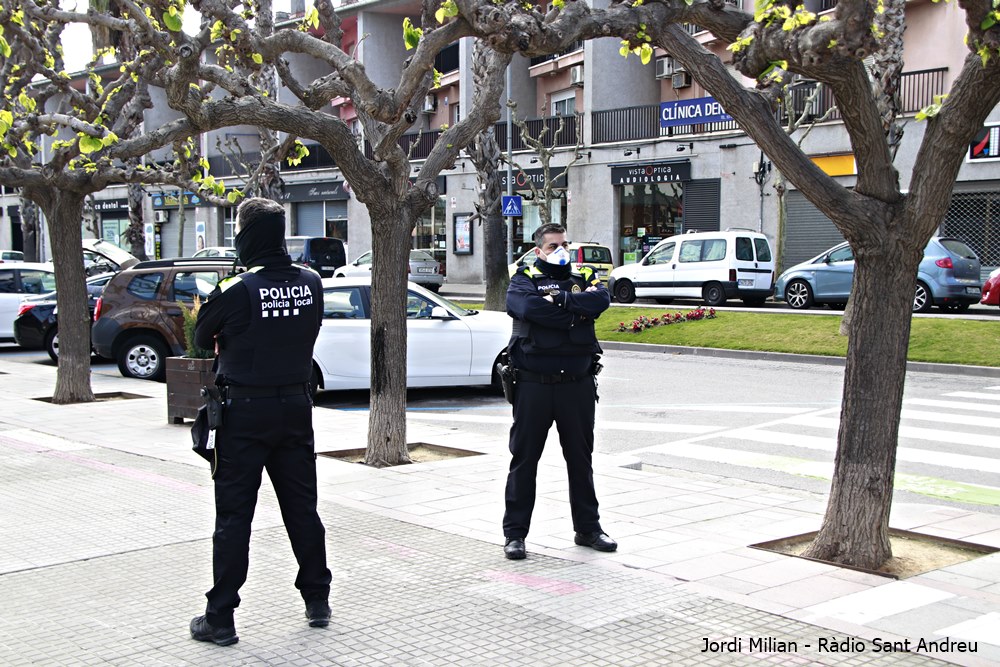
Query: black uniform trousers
column 275, row 434
column 571, row 405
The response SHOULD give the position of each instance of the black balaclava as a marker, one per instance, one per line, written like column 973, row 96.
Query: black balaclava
column 261, row 242
column 554, row 271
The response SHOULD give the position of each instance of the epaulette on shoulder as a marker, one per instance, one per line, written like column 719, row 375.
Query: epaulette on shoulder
column 229, row 281
column 530, row 271
column 589, row 274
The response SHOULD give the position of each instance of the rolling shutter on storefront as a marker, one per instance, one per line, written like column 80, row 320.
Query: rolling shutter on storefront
column 310, row 220
column 807, row 231
column 701, row 205
column 190, row 238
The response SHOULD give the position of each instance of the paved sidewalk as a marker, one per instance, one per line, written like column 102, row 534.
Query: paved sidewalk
column 106, row 553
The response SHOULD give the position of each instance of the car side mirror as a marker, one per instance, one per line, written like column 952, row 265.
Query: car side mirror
column 440, row 313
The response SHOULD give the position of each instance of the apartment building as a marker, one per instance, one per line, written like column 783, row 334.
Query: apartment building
column 654, row 154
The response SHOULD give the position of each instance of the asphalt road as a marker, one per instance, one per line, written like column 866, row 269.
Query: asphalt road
column 773, row 422
column 763, row 421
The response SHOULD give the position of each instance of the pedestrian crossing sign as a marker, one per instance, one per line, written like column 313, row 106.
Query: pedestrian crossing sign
column 511, row 205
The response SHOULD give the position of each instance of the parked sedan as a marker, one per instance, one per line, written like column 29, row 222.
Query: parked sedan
column 446, row 345
column 424, row 269
column 948, row 277
column 36, row 326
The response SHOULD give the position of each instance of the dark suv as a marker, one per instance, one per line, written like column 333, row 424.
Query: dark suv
column 138, row 320
column 322, row 254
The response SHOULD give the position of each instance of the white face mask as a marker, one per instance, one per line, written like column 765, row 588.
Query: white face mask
column 559, row 257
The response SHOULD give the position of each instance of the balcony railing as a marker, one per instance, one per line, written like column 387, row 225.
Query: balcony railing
column 553, row 138
column 917, row 90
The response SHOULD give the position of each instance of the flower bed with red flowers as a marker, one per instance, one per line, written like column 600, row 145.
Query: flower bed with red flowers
column 644, row 322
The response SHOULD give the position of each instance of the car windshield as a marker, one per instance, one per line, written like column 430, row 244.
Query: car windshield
column 454, row 308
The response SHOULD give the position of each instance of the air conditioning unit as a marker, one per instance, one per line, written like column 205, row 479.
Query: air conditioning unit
column 161, row 216
column 430, row 103
column 680, row 79
column 576, row 75
column 664, row 67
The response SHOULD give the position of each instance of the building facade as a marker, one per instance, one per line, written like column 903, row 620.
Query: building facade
column 652, row 154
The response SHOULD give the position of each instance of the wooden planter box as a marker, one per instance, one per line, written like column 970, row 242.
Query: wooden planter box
column 185, row 378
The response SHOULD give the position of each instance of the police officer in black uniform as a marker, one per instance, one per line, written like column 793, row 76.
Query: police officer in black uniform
column 554, row 354
column 263, row 323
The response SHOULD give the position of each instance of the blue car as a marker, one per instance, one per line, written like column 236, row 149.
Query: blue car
column 948, row 277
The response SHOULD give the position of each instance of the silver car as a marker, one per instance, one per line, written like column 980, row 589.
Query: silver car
column 948, row 277
column 424, row 269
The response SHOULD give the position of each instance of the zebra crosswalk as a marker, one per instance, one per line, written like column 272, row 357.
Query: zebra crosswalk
column 948, row 444
column 947, row 447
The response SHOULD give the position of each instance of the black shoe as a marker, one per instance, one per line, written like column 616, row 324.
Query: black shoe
column 318, row 613
column 513, row 548
column 597, row 540
column 203, row 631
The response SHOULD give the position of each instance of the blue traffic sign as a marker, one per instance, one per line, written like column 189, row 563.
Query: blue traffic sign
column 511, row 205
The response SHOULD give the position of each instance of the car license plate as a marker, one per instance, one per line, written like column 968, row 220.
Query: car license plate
column 424, row 269
column 972, row 290
column 746, row 282
column 329, row 268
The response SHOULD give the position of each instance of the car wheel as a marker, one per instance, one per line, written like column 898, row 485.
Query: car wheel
column 836, row 306
column 52, row 344
column 143, row 358
column 713, row 294
column 434, row 288
column 922, row 300
column 755, row 302
column 664, row 302
column 798, row 295
column 624, row 292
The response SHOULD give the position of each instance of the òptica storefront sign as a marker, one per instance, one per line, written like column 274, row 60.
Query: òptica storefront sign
column 662, row 172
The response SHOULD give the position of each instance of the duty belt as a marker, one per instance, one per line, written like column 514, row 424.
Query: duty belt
column 554, row 378
column 243, row 391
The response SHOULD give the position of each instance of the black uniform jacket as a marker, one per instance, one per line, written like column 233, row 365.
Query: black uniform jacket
column 558, row 336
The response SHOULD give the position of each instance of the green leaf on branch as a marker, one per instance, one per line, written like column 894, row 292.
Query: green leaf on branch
column 234, row 196
column 172, row 20
column 989, row 21
column 740, row 44
column 89, row 144
column 645, row 53
column 257, row 58
column 411, row 34
column 447, row 9
column 4, row 48
column 931, row 110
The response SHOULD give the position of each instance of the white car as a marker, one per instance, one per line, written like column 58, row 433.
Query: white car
column 19, row 280
column 423, row 270
column 446, row 345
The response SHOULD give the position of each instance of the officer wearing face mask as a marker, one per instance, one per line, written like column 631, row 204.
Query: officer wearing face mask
column 263, row 324
column 554, row 353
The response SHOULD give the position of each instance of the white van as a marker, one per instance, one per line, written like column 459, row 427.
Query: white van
column 711, row 266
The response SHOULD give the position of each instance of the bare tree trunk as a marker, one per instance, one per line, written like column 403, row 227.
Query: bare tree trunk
column 391, row 227
column 486, row 157
column 135, row 234
column 29, row 229
column 63, row 210
column 855, row 527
